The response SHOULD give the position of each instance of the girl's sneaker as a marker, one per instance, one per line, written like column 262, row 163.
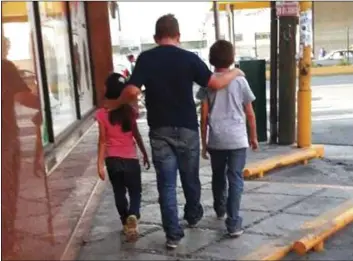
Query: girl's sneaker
column 131, row 228
column 125, row 229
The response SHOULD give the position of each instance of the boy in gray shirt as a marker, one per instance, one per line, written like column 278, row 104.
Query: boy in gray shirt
column 224, row 113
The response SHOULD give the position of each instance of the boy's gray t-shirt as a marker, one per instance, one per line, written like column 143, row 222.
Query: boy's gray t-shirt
column 227, row 119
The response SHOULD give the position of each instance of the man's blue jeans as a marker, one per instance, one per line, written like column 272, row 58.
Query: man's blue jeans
column 173, row 149
column 228, row 164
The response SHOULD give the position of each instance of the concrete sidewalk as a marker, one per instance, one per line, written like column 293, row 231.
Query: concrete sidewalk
column 271, row 211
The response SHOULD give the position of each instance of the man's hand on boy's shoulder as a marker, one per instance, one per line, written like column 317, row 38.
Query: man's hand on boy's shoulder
column 238, row 72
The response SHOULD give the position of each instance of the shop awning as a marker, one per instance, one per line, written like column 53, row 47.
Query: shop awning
column 237, row 5
column 17, row 11
column 14, row 12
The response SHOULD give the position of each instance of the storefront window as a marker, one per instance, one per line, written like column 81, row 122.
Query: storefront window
column 55, row 36
column 81, row 56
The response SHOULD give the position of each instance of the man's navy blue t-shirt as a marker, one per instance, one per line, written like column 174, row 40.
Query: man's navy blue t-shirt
column 168, row 73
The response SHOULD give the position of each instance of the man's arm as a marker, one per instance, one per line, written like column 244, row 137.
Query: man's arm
column 220, row 81
column 133, row 88
column 23, row 94
column 28, row 99
column 129, row 95
column 205, row 78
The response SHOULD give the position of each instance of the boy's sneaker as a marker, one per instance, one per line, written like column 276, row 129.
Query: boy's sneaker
column 236, row 233
column 220, row 217
column 131, row 230
column 172, row 244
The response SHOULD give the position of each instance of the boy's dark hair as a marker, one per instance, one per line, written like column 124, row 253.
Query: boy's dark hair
column 221, row 54
column 114, row 84
column 167, row 26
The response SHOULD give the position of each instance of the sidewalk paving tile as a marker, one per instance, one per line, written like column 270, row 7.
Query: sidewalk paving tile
column 248, row 185
column 194, row 239
column 337, row 193
column 210, row 221
column 287, row 189
column 151, row 213
column 267, row 202
column 278, row 225
column 315, row 205
column 104, row 245
column 232, row 249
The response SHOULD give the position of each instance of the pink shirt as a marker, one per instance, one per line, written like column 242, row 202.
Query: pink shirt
column 118, row 143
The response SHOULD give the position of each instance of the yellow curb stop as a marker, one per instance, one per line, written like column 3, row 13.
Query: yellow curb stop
column 326, row 225
column 297, row 155
column 311, row 235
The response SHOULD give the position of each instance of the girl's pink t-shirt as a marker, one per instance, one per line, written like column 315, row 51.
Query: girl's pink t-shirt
column 118, row 143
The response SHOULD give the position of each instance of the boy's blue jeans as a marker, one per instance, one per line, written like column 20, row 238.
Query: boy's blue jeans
column 228, row 164
column 175, row 148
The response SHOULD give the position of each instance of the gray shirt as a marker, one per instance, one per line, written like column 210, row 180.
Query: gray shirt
column 227, row 119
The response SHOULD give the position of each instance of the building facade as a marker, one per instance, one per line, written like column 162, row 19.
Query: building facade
column 332, row 25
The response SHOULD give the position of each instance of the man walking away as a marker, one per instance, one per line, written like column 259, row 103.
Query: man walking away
column 168, row 73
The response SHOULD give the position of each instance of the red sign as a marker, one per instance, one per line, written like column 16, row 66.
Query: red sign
column 287, row 8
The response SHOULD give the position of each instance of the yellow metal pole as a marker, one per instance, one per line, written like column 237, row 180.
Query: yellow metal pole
column 304, row 92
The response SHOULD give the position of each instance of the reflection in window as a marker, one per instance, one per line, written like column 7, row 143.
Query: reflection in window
column 53, row 17
column 21, row 145
column 81, row 55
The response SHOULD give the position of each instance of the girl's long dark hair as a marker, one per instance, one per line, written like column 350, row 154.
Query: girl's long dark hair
column 115, row 83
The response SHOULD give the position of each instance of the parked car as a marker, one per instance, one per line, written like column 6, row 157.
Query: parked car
column 335, row 58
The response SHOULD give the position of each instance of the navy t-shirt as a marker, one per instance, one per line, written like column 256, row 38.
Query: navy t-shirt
column 168, row 73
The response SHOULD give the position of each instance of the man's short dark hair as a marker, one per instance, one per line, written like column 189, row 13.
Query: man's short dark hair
column 221, row 54
column 167, row 26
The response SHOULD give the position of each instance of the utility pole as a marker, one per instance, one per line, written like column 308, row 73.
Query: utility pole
column 274, row 74
column 229, row 20
column 304, row 92
column 233, row 23
column 287, row 78
column 216, row 20
column 255, row 45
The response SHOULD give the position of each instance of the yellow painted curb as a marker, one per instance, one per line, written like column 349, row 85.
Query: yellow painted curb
column 327, row 70
column 297, row 155
column 323, row 227
column 311, row 235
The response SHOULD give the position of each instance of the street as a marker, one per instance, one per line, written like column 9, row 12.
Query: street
column 332, row 125
column 332, row 109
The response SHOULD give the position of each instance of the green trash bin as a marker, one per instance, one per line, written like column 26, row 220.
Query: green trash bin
column 255, row 72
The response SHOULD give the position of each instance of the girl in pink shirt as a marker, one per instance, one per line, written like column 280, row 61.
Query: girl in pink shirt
column 118, row 133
